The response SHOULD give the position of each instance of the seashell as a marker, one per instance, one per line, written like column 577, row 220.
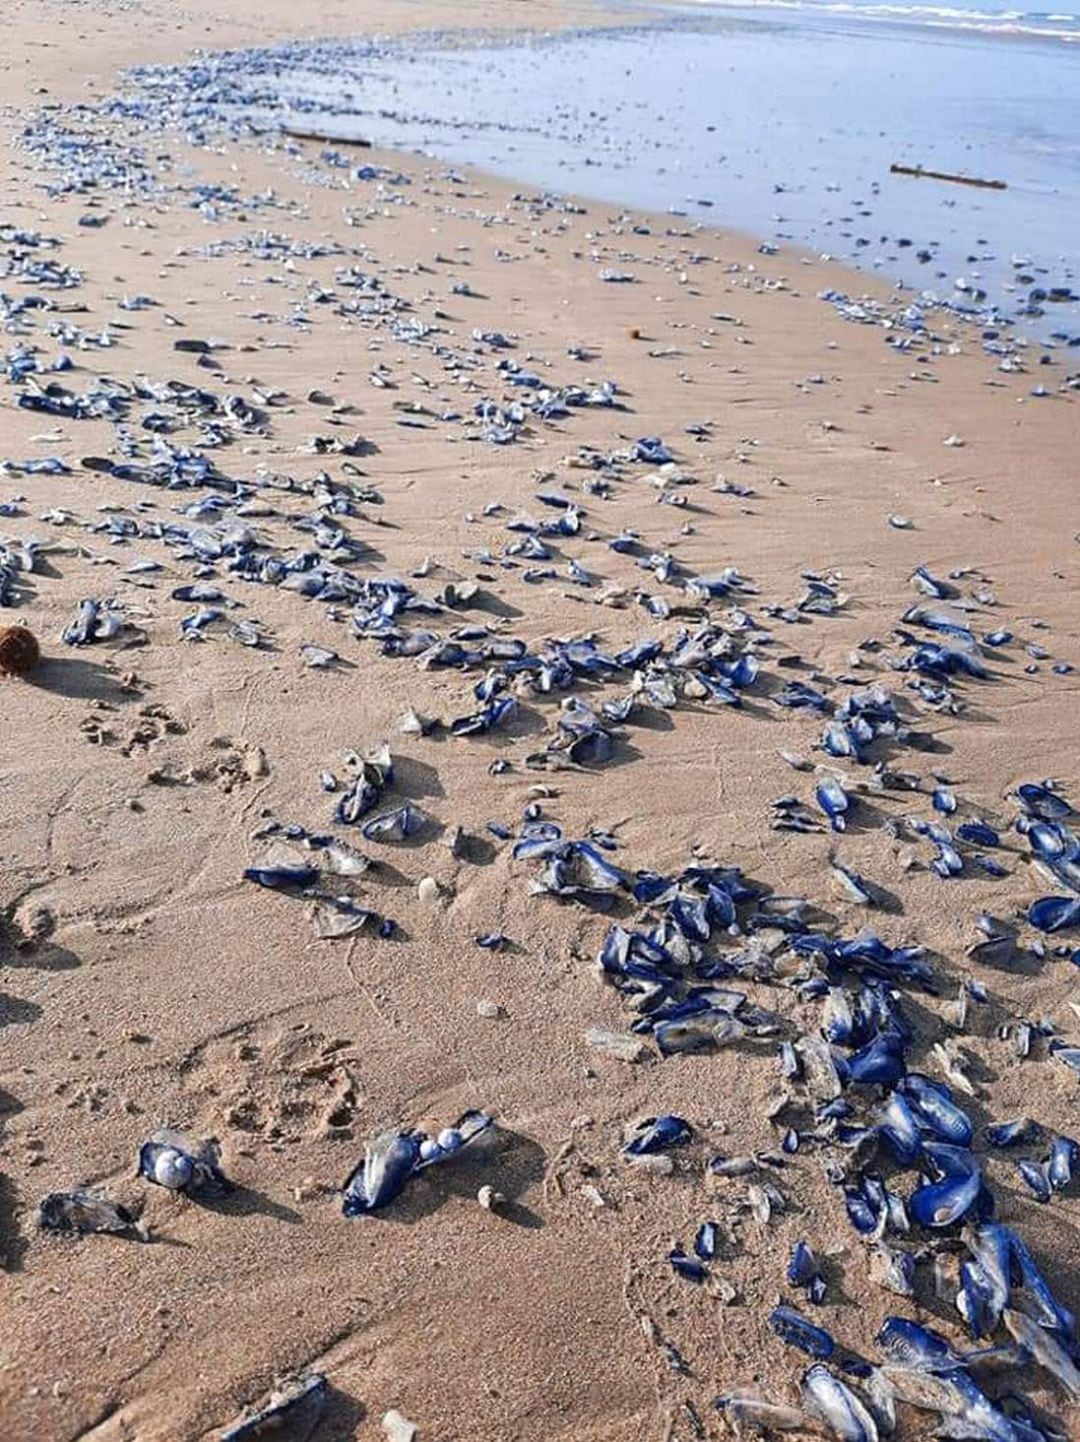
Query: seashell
column 912, row 1344
column 763, row 1202
column 978, row 833
column 390, row 1160
column 798, row 1331
column 656, row 1134
column 277, row 876
column 1009, row 1134
column 413, row 724
column 686, row 1267
column 803, row 1271
column 428, row 891
column 173, row 1160
column 85, row 1211
column 397, row 1427
column 952, row 1064
column 732, row 1166
column 1055, row 913
column 623, row 1046
column 934, row 1109
column 397, row 825
column 335, row 917
column 1064, row 1156
column 172, row 1169
column 795, row 761
column 296, row 1403
column 898, row 1125
column 497, row 713
column 851, row 885
column 879, row 1063
column 343, row 860
column 375, row 773
column 1070, row 1055
column 1035, row 1176
column 246, row 633
column 318, row 658
column 1040, row 801
column 746, row 1408
column 705, row 1241
column 947, row 1200
column 1045, row 1348
column 923, row 581
column 835, row 1404
column 834, row 801
column 893, row 1269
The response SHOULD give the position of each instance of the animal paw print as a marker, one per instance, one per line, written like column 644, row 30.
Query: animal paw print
column 154, row 724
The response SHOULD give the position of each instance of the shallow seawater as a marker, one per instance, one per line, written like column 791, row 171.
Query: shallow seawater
column 782, row 121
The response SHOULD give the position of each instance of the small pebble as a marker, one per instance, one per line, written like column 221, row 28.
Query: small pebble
column 397, row 1427
column 428, row 891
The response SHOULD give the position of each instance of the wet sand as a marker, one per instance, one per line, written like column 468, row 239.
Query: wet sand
column 673, row 118
column 145, row 982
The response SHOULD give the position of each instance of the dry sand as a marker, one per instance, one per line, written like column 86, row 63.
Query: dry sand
column 169, row 990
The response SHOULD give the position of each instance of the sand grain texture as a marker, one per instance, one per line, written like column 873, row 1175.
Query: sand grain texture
column 166, row 989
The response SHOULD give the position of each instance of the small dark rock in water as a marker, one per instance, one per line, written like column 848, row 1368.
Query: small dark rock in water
column 296, row 1404
column 19, row 651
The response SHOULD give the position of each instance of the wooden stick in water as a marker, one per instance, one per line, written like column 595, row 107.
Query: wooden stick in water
column 298, row 134
column 918, row 171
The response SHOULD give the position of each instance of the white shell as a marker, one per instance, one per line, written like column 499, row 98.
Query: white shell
column 397, row 1427
column 172, row 1169
column 428, row 891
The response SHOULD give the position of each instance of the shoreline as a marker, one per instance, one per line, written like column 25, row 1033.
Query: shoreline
column 883, row 279
column 443, row 350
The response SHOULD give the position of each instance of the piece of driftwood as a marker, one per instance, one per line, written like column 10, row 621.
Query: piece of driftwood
column 297, row 134
column 921, row 173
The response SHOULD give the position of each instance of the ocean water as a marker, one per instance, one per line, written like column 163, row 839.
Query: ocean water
column 781, row 118
column 1062, row 23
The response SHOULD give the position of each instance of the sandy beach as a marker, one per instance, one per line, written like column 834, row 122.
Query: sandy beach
column 362, row 320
